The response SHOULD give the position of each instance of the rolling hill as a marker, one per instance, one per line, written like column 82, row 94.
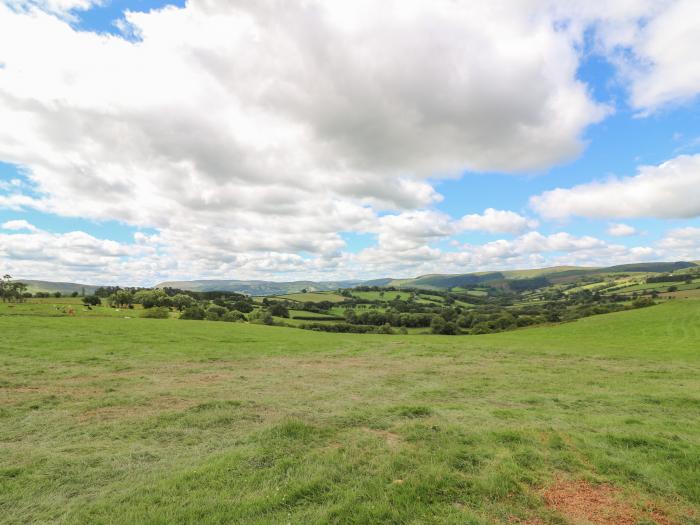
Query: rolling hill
column 34, row 286
column 430, row 281
column 257, row 287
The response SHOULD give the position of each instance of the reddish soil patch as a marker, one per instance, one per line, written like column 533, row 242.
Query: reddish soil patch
column 582, row 502
column 393, row 440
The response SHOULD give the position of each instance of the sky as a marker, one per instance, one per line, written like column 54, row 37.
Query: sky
column 150, row 140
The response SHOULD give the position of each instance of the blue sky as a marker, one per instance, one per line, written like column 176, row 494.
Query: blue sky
column 183, row 142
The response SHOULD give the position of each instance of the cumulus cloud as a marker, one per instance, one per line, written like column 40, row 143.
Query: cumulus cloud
column 665, row 191
column 621, row 230
column 666, row 65
column 497, row 221
column 272, row 127
column 250, row 135
column 682, row 238
column 18, row 224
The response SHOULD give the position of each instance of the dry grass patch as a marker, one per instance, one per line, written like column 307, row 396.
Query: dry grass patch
column 582, row 502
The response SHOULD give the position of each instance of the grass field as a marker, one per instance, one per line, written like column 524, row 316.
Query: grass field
column 115, row 420
column 382, row 296
column 312, row 297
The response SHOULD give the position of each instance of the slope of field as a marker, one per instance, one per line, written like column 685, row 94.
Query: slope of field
column 114, row 420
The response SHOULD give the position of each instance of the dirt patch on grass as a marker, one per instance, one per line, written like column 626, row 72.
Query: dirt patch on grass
column 392, row 440
column 582, row 502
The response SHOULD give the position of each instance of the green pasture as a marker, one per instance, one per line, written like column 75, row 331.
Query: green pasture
column 382, row 296
column 114, row 420
column 312, row 297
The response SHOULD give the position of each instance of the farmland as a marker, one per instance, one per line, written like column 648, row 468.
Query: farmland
column 109, row 418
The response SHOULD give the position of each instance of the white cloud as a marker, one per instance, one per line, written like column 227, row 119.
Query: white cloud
column 61, row 8
column 666, row 67
column 621, row 230
column 271, row 127
column 497, row 221
column 18, row 224
column 665, row 191
column 251, row 134
column 682, row 239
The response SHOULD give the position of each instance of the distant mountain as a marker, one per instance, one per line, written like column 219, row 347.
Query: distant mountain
column 257, row 288
column 558, row 274
column 34, row 286
column 661, row 267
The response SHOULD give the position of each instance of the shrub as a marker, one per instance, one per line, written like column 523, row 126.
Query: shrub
column 193, row 313
column 214, row 313
column 643, row 302
column 279, row 310
column 159, row 312
column 261, row 317
column 385, row 329
column 233, row 316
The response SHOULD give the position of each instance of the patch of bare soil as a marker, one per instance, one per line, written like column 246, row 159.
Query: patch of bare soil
column 393, row 440
column 582, row 502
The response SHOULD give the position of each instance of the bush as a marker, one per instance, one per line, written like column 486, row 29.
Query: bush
column 233, row 317
column 279, row 310
column 156, row 313
column 261, row 316
column 643, row 302
column 215, row 313
column 243, row 306
column 384, row 329
column 193, row 313
column 437, row 325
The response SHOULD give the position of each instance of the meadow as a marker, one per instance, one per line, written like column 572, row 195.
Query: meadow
column 109, row 418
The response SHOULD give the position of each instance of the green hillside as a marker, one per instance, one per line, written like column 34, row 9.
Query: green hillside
column 257, row 288
column 34, row 286
column 555, row 274
column 113, row 419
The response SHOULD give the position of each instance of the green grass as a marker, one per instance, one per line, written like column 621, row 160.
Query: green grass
column 315, row 315
column 382, row 296
column 114, row 420
column 60, row 307
column 312, row 297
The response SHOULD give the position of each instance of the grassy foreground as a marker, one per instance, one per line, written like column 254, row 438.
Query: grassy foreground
column 113, row 420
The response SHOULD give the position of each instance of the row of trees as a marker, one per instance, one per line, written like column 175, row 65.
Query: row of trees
column 12, row 291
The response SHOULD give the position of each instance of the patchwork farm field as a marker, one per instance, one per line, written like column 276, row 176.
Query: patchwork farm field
column 109, row 419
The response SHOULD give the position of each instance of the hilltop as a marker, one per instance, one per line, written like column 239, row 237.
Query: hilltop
column 558, row 274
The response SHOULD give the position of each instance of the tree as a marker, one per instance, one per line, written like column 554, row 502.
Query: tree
column 181, row 301
column 193, row 313
column 243, row 306
column 92, row 300
column 12, row 291
column 152, row 298
column 121, row 298
column 437, row 324
column 215, row 313
column 279, row 310
column 262, row 316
